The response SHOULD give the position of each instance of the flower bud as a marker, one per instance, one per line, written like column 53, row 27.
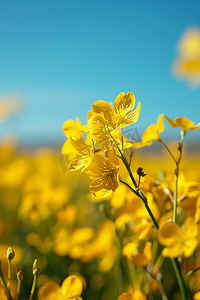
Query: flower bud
column 10, row 253
column 20, row 275
column 37, row 267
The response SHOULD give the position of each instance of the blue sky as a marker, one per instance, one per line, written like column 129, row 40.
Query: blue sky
column 61, row 56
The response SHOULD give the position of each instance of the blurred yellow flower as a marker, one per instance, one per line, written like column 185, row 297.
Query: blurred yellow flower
column 133, row 295
column 71, row 289
column 138, row 255
column 178, row 240
column 150, row 134
column 187, row 63
column 196, row 296
column 9, row 106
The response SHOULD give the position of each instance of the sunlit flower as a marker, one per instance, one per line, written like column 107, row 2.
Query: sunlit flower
column 104, row 171
column 151, row 134
column 71, row 289
column 187, row 63
column 123, row 105
column 178, row 240
column 104, row 119
column 84, row 155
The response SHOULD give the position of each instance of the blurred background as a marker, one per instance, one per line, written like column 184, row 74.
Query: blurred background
column 58, row 57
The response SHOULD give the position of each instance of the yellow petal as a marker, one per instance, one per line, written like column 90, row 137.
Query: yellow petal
column 183, row 122
column 73, row 129
column 169, row 233
column 173, row 251
column 125, row 101
column 125, row 296
column 189, row 247
column 49, row 291
column 71, row 287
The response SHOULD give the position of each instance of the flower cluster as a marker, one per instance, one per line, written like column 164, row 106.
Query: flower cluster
column 145, row 212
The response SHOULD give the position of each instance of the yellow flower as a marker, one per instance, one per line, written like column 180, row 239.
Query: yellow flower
column 123, row 105
column 182, row 122
column 71, row 129
column 104, row 119
column 151, row 133
column 187, row 63
column 196, row 296
column 137, row 255
column 104, row 171
column 101, row 125
column 178, row 241
column 84, row 155
column 133, row 295
column 71, row 289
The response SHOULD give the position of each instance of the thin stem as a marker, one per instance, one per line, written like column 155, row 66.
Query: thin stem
column 175, row 199
column 18, row 289
column 139, row 193
column 176, row 173
column 122, row 139
column 144, row 199
column 161, row 141
column 9, row 274
column 180, row 279
column 123, row 158
column 33, row 287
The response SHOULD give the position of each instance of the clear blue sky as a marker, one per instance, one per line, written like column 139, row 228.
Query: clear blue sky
column 61, row 56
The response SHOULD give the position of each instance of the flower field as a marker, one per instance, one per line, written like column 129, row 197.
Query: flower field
column 104, row 219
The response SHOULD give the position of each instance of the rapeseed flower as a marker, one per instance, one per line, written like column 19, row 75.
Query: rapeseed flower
column 138, row 255
column 104, row 119
column 71, row 289
column 104, row 171
column 178, row 240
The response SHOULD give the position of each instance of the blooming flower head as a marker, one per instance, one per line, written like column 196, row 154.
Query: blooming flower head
column 71, row 289
column 178, row 240
column 104, row 119
column 104, row 171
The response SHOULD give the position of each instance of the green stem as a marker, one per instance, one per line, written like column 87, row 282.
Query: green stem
column 175, row 199
column 18, row 289
column 9, row 274
column 33, row 287
column 180, row 279
column 144, row 200
column 139, row 193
